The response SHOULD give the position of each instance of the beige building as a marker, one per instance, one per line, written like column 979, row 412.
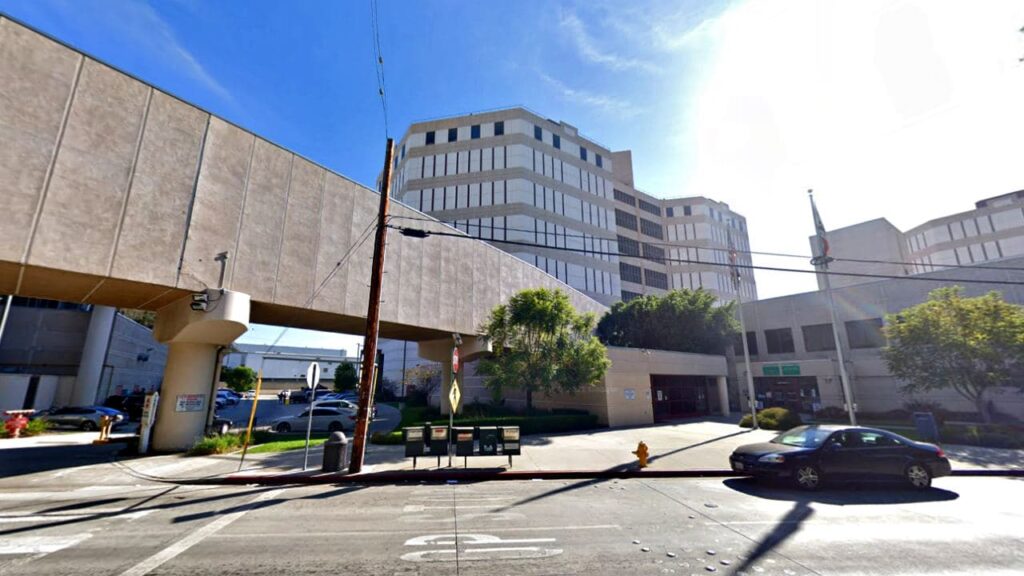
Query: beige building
column 539, row 189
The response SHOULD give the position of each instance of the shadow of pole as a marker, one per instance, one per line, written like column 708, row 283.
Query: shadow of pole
column 785, row 529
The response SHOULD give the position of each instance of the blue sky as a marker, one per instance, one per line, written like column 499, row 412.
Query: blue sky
column 897, row 108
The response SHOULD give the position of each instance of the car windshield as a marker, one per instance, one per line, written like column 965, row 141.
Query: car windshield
column 804, row 436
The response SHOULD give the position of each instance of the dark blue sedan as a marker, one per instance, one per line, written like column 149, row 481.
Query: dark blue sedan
column 810, row 455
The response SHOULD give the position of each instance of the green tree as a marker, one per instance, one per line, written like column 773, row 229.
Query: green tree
column 949, row 341
column 541, row 344
column 239, row 378
column 682, row 320
column 345, row 377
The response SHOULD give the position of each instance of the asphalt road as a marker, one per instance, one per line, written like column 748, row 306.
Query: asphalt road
column 963, row 526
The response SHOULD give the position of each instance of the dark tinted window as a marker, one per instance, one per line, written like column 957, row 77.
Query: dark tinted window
column 324, row 412
column 623, row 197
column 430, row 137
column 629, row 273
column 583, row 153
column 628, row 246
column 453, row 134
column 652, row 229
column 687, row 211
column 779, row 341
column 474, row 131
column 818, row 337
column 653, row 253
column 499, row 128
column 865, row 333
column 627, row 295
column 538, row 134
column 597, row 157
column 556, row 141
column 737, row 344
column 648, row 207
column 656, row 279
column 625, row 219
column 669, row 212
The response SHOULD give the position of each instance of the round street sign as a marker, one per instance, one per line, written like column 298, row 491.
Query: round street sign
column 455, row 361
column 313, row 374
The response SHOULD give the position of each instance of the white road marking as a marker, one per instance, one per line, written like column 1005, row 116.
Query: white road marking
column 23, row 517
column 39, row 544
column 469, row 539
column 509, row 553
column 158, row 559
column 418, row 508
column 493, row 516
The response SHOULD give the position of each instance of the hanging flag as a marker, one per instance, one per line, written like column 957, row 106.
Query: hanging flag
column 819, row 229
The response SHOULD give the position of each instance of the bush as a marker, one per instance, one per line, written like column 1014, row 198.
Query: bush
column 36, row 427
column 773, row 419
column 216, row 445
column 935, row 408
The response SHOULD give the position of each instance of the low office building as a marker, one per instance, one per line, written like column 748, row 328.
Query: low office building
column 284, row 367
column 56, row 354
column 793, row 350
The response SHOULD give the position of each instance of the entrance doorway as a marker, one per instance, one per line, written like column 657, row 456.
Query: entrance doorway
column 796, row 393
column 677, row 397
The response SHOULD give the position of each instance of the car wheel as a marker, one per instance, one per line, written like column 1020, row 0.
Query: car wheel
column 284, row 427
column 335, row 427
column 223, row 429
column 89, row 426
column 918, row 476
column 807, row 477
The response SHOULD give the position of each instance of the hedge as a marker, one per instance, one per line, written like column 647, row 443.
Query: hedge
column 773, row 419
column 538, row 424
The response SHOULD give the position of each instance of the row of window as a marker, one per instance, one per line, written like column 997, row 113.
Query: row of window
column 968, row 228
column 729, row 220
column 817, row 338
column 542, row 233
column 972, row 254
column 557, row 169
column 453, row 134
column 638, row 275
column 648, row 207
column 579, row 277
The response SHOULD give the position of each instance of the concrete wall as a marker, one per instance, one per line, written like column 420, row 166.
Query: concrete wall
column 872, row 240
column 135, row 361
column 13, row 388
column 117, row 193
column 43, row 340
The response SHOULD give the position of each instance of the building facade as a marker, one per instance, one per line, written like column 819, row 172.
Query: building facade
column 284, row 367
column 567, row 204
column 992, row 231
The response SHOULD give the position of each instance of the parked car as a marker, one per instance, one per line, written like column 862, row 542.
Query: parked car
column 228, row 396
column 811, row 455
column 344, row 404
column 130, row 404
column 329, row 419
column 220, row 426
column 249, row 395
column 85, row 418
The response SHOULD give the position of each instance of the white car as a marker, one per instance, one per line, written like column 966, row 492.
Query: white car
column 329, row 419
column 344, row 405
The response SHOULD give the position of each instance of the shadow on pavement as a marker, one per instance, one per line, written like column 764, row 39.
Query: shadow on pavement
column 34, row 459
column 786, row 527
column 986, row 457
column 697, row 445
column 841, row 496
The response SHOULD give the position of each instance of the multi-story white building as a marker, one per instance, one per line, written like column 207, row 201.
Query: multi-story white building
column 567, row 204
column 994, row 230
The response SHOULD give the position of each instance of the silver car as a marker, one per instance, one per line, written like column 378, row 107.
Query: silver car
column 329, row 419
column 85, row 418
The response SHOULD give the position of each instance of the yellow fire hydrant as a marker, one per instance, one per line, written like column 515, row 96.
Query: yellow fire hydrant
column 106, row 423
column 642, row 454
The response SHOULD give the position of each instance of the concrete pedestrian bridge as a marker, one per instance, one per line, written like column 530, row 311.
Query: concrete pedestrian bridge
column 116, row 193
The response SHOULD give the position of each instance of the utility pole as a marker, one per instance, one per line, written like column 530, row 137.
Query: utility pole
column 366, row 379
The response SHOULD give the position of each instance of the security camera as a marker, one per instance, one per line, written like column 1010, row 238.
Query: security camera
column 200, row 301
column 458, row 339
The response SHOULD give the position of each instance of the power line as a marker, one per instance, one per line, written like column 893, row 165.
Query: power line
column 421, row 233
column 713, row 249
column 378, row 62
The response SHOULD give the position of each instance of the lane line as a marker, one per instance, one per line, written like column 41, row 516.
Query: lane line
column 36, row 547
column 158, row 559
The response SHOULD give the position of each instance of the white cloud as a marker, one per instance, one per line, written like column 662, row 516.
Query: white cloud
column 601, row 102
column 591, row 52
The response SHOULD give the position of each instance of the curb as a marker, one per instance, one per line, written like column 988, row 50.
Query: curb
column 480, row 475
column 984, row 472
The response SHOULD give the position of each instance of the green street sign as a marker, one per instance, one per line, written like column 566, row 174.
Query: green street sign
column 790, row 369
column 771, row 370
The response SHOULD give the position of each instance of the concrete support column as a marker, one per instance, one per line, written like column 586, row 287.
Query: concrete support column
column 440, row 351
column 94, row 352
column 723, row 395
column 194, row 338
column 190, row 371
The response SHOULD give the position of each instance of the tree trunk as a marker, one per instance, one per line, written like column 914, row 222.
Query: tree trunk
column 982, row 404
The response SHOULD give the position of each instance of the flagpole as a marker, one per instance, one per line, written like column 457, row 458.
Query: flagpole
column 820, row 261
column 751, row 396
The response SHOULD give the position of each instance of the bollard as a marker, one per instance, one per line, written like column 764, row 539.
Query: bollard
column 335, row 452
